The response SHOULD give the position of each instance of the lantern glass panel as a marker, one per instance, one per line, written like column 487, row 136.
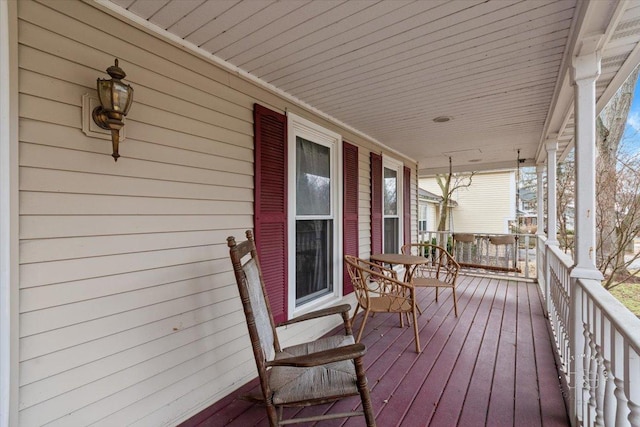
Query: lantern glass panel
column 120, row 96
column 104, row 93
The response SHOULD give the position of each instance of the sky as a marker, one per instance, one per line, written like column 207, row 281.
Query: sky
column 631, row 137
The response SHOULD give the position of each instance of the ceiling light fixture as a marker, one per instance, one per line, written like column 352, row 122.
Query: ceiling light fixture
column 442, row 119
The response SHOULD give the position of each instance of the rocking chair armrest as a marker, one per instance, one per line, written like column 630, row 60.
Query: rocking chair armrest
column 338, row 309
column 324, row 357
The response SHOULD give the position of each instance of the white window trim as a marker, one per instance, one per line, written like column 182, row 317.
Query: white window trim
column 299, row 126
column 398, row 166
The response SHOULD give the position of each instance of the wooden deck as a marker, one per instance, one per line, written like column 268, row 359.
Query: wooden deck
column 493, row 365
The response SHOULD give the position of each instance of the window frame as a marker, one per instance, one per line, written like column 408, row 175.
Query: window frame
column 398, row 167
column 423, row 215
column 299, row 126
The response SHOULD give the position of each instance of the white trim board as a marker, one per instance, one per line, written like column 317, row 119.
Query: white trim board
column 8, row 214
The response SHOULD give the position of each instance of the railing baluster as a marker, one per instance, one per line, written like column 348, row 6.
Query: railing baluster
column 619, row 373
column 631, row 387
column 609, row 399
column 599, row 360
column 588, row 385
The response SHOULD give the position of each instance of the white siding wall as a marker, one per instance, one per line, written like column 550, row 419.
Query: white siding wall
column 129, row 312
column 432, row 216
column 484, row 207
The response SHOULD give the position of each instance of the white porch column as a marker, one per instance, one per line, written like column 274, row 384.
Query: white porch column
column 539, row 177
column 585, row 72
column 552, row 216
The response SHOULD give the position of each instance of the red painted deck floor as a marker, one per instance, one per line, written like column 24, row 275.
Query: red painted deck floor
column 492, row 366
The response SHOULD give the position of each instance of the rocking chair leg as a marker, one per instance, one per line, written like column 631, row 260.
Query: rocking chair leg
column 364, row 393
column 274, row 415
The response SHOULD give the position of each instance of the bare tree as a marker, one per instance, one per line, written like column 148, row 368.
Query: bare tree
column 622, row 223
column 565, row 201
column 617, row 188
column 448, row 184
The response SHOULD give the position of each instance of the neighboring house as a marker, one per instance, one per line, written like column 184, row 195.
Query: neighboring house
column 488, row 205
column 428, row 210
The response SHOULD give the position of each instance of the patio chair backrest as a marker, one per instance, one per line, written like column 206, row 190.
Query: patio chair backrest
column 441, row 263
column 371, row 280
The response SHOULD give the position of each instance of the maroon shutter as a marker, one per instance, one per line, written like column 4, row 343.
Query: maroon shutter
column 350, row 208
column 376, row 203
column 270, row 206
column 406, row 203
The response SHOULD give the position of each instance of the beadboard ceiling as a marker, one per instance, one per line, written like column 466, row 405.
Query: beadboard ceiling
column 499, row 69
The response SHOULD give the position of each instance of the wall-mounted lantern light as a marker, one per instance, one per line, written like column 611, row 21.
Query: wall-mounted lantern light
column 115, row 101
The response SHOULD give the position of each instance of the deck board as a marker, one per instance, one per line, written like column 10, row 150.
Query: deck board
column 527, row 406
column 493, row 365
column 501, row 402
column 452, row 400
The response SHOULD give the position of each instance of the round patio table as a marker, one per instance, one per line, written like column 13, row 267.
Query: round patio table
column 409, row 261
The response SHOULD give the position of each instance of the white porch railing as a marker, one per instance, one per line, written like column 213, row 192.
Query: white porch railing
column 503, row 254
column 598, row 341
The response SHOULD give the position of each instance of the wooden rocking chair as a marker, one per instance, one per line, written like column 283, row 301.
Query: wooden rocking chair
column 312, row 373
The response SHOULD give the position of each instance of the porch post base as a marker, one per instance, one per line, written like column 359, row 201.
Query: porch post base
column 586, row 272
column 552, row 242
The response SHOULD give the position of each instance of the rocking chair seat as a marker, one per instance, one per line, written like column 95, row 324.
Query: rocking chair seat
column 292, row 384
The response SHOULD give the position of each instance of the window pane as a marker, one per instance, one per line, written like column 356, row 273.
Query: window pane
column 391, row 243
column 314, row 263
column 313, row 178
column 390, row 192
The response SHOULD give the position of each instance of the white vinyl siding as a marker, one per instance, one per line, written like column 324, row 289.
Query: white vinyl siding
column 432, row 216
column 129, row 312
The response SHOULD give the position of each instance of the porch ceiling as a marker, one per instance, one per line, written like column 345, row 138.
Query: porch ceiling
column 387, row 68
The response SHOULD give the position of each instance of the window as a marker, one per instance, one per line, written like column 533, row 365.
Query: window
column 392, row 205
column 282, row 232
column 422, row 218
column 313, row 216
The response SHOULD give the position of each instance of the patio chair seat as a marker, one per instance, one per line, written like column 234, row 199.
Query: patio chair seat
column 389, row 304
column 431, row 282
column 293, row 384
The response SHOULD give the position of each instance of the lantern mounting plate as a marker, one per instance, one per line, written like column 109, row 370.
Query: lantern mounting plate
column 89, row 127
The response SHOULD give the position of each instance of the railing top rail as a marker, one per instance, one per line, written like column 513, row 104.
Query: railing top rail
column 480, row 234
column 619, row 316
column 564, row 258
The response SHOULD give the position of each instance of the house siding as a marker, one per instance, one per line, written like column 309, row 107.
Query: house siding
column 129, row 312
column 485, row 206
